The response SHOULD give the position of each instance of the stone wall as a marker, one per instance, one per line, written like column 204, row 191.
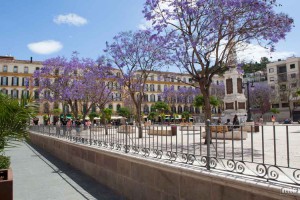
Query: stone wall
column 137, row 178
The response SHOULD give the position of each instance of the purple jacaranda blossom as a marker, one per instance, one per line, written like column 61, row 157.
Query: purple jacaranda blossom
column 136, row 55
column 78, row 82
column 206, row 34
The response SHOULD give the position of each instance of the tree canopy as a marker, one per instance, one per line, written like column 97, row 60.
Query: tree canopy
column 208, row 33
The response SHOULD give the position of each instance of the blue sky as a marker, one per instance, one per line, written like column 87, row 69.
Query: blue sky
column 47, row 28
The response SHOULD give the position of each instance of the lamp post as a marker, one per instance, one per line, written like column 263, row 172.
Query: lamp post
column 249, row 116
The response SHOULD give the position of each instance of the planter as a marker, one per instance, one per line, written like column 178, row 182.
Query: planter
column 6, row 184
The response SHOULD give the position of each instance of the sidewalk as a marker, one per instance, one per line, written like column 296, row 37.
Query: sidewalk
column 40, row 176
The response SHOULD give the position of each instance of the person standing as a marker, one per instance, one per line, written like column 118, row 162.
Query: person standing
column 235, row 122
column 273, row 119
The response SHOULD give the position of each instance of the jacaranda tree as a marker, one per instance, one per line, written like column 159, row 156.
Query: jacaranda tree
column 76, row 82
column 136, row 55
column 260, row 96
column 207, row 32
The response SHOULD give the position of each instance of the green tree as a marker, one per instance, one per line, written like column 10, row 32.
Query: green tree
column 92, row 116
column 14, row 119
column 199, row 101
column 106, row 115
column 161, row 108
column 124, row 112
column 186, row 115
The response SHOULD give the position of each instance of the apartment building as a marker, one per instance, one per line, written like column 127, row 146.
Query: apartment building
column 15, row 74
column 284, row 79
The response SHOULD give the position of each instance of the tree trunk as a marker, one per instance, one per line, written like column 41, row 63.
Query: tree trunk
column 207, row 106
column 139, row 121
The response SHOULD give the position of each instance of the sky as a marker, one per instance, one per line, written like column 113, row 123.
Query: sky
column 48, row 28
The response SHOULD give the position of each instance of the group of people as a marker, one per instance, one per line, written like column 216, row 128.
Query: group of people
column 235, row 123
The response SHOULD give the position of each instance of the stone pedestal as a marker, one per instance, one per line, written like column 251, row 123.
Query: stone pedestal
column 234, row 100
column 248, row 125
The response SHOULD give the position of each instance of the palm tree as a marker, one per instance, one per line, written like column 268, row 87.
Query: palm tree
column 13, row 122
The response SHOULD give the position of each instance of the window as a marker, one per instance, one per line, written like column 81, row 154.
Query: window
column 271, row 79
column 190, row 80
column 146, row 98
column 165, row 87
column 285, row 105
column 146, row 87
column 15, row 69
column 46, row 108
column 36, row 82
column 146, row 109
column 283, row 87
column 152, row 78
column 293, row 85
column 118, row 74
column 4, row 91
column 118, row 97
column 152, row 98
column 271, row 70
column 46, row 94
column 5, row 68
column 281, row 69
column 4, row 80
column 36, row 94
column 15, row 94
column 275, row 105
column 25, row 93
column 293, row 75
column 292, row 66
column 25, row 81
column 37, row 68
column 158, row 88
column 25, row 70
column 184, row 80
column 152, row 88
column 158, row 78
column 172, row 78
column 178, row 79
column 118, row 106
column 15, row 81
column 178, row 87
column 159, row 98
column 56, row 72
column 179, row 109
column 110, row 106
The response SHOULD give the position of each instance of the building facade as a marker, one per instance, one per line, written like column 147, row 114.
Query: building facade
column 16, row 80
column 283, row 78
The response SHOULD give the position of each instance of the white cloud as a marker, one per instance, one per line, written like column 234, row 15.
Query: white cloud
column 144, row 25
column 45, row 47
column 254, row 52
column 71, row 19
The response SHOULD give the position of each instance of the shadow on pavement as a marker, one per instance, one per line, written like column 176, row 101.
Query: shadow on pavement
column 85, row 185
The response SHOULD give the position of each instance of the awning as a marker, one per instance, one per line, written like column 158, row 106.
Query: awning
column 68, row 116
column 116, row 117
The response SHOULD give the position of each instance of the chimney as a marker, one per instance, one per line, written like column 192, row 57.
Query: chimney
column 30, row 59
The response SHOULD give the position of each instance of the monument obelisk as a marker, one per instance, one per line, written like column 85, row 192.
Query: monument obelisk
column 234, row 100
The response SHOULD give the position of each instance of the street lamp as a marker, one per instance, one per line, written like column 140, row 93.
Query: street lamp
column 249, row 116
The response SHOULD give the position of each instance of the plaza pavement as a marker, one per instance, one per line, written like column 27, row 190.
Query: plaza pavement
column 39, row 176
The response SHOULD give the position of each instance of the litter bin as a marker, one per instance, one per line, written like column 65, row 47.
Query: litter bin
column 174, row 130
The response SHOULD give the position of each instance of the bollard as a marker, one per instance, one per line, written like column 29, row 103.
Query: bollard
column 90, row 134
column 208, row 144
column 126, row 147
